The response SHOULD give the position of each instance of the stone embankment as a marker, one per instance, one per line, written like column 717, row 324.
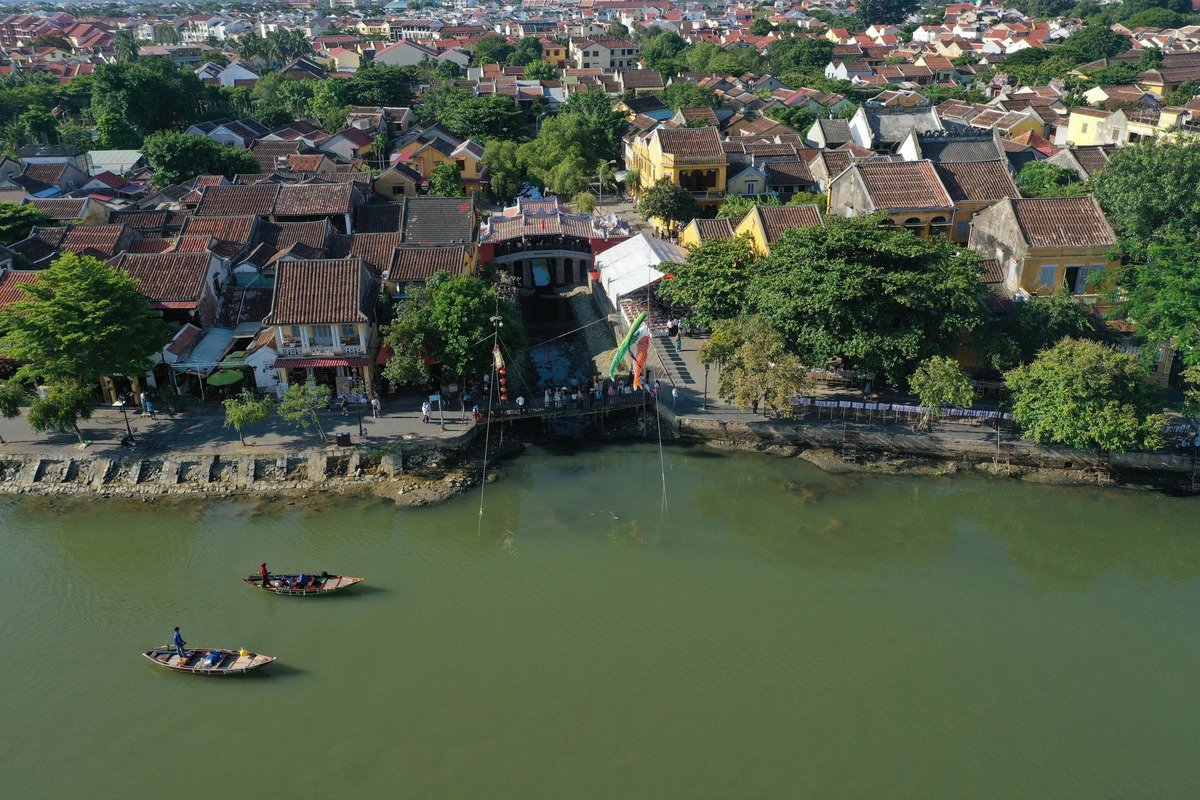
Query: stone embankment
column 411, row 475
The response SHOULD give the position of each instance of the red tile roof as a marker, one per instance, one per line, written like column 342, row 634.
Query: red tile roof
column 167, row 277
column 60, row 208
column 320, row 292
column 1062, row 222
column 375, row 249
column 977, row 180
column 229, row 201
column 225, row 229
column 690, row 142
column 777, row 219
column 9, row 283
column 313, row 199
column 903, row 185
column 420, row 263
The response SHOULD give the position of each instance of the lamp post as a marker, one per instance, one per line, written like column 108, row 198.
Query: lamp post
column 358, row 404
column 706, row 387
column 121, row 404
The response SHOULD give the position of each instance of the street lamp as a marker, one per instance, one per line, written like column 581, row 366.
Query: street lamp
column 706, row 387
column 358, row 404
column 121, row 405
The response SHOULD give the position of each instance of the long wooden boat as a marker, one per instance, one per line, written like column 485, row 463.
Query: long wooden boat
column 317, row 584
column 208, row 660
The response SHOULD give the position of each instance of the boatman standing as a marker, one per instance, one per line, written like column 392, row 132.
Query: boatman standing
column 266, row 576
column 179, row 643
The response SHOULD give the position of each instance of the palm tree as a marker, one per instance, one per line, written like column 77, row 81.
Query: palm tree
column 124, row 47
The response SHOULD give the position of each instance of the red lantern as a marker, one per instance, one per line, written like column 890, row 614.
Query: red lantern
column 502, row 382
column 502, row 371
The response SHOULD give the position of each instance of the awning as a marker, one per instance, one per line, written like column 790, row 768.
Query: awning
column 296, row 363
column 385, row 355
column 182, row 305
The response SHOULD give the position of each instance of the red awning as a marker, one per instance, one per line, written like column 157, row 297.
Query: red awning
column 296, row 363
column 385, row 354
column 185, row 305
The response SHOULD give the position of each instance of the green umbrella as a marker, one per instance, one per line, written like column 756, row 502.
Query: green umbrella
column 223, row 377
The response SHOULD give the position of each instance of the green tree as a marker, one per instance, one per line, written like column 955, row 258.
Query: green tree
column 736, row 206
column 1092, row 43
column 449, row 320
column 882, row 299
column 661, row 52
column 11, row 397
column 617, row 31
column 492, row 49
column 1088, row 396
column 1161, row 292
column 300, row 404
column 1149, row 188
column 886, row 10
column 939, row 381
column 493, row 115
column 328, row 105
column 245, row 409
column 1183, row 93
column 684, row 94
column 380, row 85
column 81, row 320
column 1151, row 58
column 540, row 71
column 668, row 202
column 504, row 166
column 714, row 280
column 16, row 222
column 117, row 134
column 61, row 410
column 1013, row 339
column 165, row 33
column 584, row 202
column 528, row 51
column 177, row 157
column 1043, row 179
column 760, row 27
column 37, row 125
column 446, row 179
column 122, row 89
column 448, row 71
column 125, row 48
column 756, row 365
column 799, row 54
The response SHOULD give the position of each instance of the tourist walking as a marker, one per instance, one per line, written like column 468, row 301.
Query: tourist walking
column 426, row 410
column 520, row 404
column 375, row 407
column 345, row 405
column 674, row 397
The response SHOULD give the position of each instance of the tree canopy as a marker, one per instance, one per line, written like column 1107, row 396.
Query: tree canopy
column 81, row 320
column 683, row 94
column 492, row 115
column 449, row 322
column 177, row 157
column 123, row 90
column 939, row 381
column 756, row 366
column 714, row 280
column 669, row 202
column 873, row 11
column 446, row 179
column 1043, row 179
column 1088, row 396
column 1149, row 189
column 16, row 222
column 882, row 299
column 1013, row 339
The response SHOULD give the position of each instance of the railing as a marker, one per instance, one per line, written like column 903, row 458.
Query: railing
column 346, row 350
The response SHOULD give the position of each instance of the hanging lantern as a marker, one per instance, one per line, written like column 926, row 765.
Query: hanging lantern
column 502, row 382
column 502, row 371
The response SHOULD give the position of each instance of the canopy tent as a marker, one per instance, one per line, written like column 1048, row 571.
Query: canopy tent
column 224, row 377
column 207, row 352
column 630, row 265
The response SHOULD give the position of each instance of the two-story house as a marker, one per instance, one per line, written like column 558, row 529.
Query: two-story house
column 910, row 192
column 692, row 158
column 323, row 319
column 604, row 53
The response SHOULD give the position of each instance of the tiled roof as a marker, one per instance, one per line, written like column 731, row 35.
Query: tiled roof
column 715, row 228
column 320, row 292
column 980, row 180
column 167, row 277
column 143, row 246
column 420, row 263
column 902, row 185
column 514, row 227
column 1062, row 222
column 690, row 142
column 641, row 79
column 438, row 220
column 226, row 229
column 229, row 201
column 148, row 222
column 104, row 239
column 1092, row 159
column 47, row 173
column 375, row 249
column 787, row 173
column 9, row 283
column 379, row 217
column 284, row 234
column 836, row 131
column 990, row 271
column 185, row 340
column 314, row 199
column 61, row 208
column 777, row 219
column 944, row 150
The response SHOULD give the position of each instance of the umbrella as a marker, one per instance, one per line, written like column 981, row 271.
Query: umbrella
column 223, row 377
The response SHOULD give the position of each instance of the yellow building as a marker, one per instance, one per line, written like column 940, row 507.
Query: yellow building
column 702, row 230
column 554, row 53
column 426, row 152
column 1085, row 126
column 688, row 157
column 375, row 29
column 765, row 224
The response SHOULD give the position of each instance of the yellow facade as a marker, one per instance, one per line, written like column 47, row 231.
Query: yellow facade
column 375, row 29
column 1084, row 127
column 703, row 177
column 554, row 54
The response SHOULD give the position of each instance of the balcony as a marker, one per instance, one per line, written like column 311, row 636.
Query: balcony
column 320, row 351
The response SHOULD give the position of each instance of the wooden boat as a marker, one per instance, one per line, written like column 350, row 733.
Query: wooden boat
column 317, row 584
column 208, row 660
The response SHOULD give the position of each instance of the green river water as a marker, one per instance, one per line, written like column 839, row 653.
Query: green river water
column 778, row 633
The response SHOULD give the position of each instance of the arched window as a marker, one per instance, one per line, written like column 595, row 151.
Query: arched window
column 938, row 226
column 916, row 225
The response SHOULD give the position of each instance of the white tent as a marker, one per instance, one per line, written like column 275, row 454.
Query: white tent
column 630, row 265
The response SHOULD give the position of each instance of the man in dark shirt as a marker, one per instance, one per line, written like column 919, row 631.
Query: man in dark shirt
column 179, row 643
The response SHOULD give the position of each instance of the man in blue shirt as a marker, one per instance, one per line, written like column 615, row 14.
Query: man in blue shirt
column 179, row 643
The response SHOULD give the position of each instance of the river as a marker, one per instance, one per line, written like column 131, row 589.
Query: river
column 777, row 633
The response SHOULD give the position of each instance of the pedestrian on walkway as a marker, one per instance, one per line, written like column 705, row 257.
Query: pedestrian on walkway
column 426, row 410
column 674, row 397
column 546, row 404
column 678, row 342
column 375, row 407
column 520, row 404
column 149, row 406
column 345, row 405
